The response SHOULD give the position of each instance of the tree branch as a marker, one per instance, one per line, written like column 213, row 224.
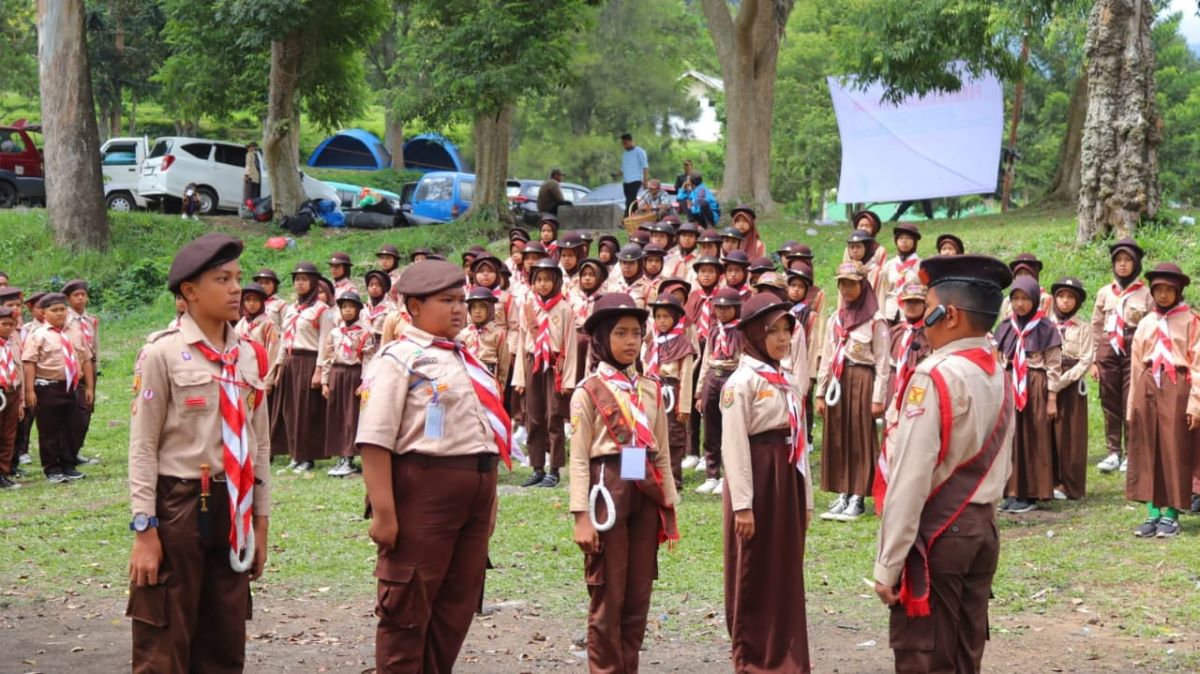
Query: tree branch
column 720, row 27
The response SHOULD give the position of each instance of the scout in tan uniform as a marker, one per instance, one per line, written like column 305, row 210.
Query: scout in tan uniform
column 851, row 392
column 546, row 371
column 1119, row 308
column 908, row 343
column 11, row 380
column 1071, row 426
column 485, row 336
column 899, row 271
column 570, row 254
column 949, row 245
column 340, row 266
column 680, row 258
column 82, row 327
column 768, row 496
column 670, row 356
column 622, row 495
column 803, row 290
column 255, row 325
column 276, row 305
column 431, row 431
column 1164, row 404
column 389, row 263
column 631, row 279
column 379, row 303
column 306, row 325
column 55, row 367
column 707, row 270
column 721, row 355
column 869, row 224
column 653, row 256
column 342, row 359
column 1027, row 264
column 198, row 475
column 737, row 273
column 861, row 247
column 24, row 430
column 947, row 464
column 1031, row 350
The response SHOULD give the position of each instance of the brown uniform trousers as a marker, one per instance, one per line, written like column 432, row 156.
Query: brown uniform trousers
column 8, row 431
column 55, row 407
column 621, row 576
column 1114, row 392
column 714, row 381
column 677, row 432
column 695, row 419
column 194, row 619
column 545, row 415
column 961, row 566
column 79, row 423
column 430, row 582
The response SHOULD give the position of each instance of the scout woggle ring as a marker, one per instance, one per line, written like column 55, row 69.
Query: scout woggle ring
column 242, row 563
column 3, row 401
column 668, row 397
column 833, row 394
column 600, row 491
column 1082, row 388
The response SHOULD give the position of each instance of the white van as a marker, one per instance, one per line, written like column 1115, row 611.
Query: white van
column 215, row 166
column 120, row 163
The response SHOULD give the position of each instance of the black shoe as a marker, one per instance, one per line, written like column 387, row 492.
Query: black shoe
column 1195, row 504
column 1147, row 529
column 1007, row 504
column 1167, row 528
column 56, row 477
column 17, row 474
column 535, row 479
column 6, row 483
column 550, row 481
column 73, row 474
column 1022, row 506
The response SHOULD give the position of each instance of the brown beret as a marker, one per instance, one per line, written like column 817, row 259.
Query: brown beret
column 427, row 277
column 50, row 299
column 208, row 251
column 73, row 285
column 254, row 289
column 9, row 293
column 7, row 312
column 340, row 258
column 33, row 299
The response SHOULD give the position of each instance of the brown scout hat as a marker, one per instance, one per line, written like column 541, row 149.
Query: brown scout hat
column 50, row 299
column 1129, row 246
column 1072, row 284
column 10, row 293
column 388, row 249
column 306, row 268
column 74, row 285
column 428, row 277
column 666, row 284
column 1168, row 273
column 340, row 258
column 208, row 251
column 760, row 306
column 913, row 291
column 254, row 289
column 958, row 243
column 482, row 294
column 614, row 305
column 762, row 263
column 266, row 273
column 349, row 296
column 851, row 271
column 385, row 279
column 909, row 228
column 668, row 301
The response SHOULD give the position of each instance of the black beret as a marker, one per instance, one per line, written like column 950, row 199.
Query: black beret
column 427, row 277
column 349, row 296
column 254, row 289
column 75, row 284
column 33, row 299
column 613, row 305
column 211, row 250
column 981, row 270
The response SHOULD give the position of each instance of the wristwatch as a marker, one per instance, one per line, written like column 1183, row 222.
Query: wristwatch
column 142, row 522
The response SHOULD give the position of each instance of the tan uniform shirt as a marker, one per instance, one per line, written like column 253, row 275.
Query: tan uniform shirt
column 562, row 342
column 892, row 280
column 345, row 347
column 264, row 331
column 1045, row 305
column 711, row 362
column 816, row 335
column 489, row 343
column 1078, row 344
column 639, row 290
column 679, row 264
column 798, row 360
column 398, row 388
column 275, row 308
column 17, row 378
column 44, row 350
column 376, row 316
column 394, row 325
column 311, row 325
column 1049, row 361
column 343, row 286
column 175, row 418
column 1133, row 306
column 868, row 344
column 749, row 406
column 913, row 446
column 1184, row 329
column 590, row 438
column 682, row 370
column 76, row 329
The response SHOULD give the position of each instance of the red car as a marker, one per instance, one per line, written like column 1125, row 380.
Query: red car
column 22, row 171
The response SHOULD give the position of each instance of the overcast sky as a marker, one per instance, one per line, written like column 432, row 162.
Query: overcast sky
column 1191, row 22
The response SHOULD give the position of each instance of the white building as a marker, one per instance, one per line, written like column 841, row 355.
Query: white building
column 704, row 89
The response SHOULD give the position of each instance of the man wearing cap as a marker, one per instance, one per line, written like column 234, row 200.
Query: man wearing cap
column 432, row 430
column 550, row 194
column 635, row 169
column 82, row 327
column 199, row 481
column 946, row 465
column 654, row 199
column 900, row 271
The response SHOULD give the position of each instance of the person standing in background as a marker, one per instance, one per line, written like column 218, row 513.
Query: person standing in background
column 635, row 169
column 550, row 194
column 252, row 178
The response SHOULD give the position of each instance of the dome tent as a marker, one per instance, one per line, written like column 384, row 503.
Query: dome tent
column 432, row 152
column 351, row 149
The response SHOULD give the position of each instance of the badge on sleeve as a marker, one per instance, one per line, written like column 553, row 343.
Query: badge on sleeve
column 916, row 395
column 727, row 398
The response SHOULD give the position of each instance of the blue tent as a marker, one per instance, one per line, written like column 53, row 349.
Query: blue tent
column 351, row 149
column 432, row 152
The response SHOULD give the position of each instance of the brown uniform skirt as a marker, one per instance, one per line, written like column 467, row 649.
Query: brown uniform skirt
column 303, row 407
column 1071, row 439
column 764, row 577
column 1033, row 441
column 850, row 446
column 341, row 424
column 1161, row 448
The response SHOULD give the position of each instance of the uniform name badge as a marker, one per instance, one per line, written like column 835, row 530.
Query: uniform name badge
column 633, row 463
column 435, row 418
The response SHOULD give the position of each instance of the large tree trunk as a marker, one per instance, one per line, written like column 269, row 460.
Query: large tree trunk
column 1064, row 189
column 748, row 49
column 114, row 116
column 395, row 138
column 280, row 150
column 492, row 134
column 74, row 186
column 1123, row 129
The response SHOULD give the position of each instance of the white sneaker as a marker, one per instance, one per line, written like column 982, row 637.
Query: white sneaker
column 520, row 436
column 689, row 462
column 709, row 485
column 835, row 508
column 720, row 488
column 25, row 460
column 701, row 465
column 1109, row 463
column 342, row 468
column 854, row 509
column 288, row 468
column 1059, row 495
column 1124, row 465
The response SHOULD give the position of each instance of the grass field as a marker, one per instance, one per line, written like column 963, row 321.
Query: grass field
column 1068, row 557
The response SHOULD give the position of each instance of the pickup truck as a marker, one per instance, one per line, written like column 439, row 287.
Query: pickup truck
column 121, row 163
column 22, row 169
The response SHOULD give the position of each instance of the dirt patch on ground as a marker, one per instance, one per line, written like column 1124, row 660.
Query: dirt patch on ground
column 317, row 635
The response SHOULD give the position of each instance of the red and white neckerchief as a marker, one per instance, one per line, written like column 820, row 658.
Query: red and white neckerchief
column 245, row 328
column 904, row 370
column 543, row 349
column 796, row 423
column 1115, row 324
column 684, row 261
column 238, row 461
column 70, row 362
column 654, row 348
column 374, row 311
column 354, row 341
column 704, row 322
column 722, row 349
column 842, row 337
column 584, row 306
column 1161, row 357
column 1020, row 370
column 85, row 327
column 342, row 286
column 289, row 330
column 8, row 366
column 488, row 394
column 904, row 266
column 628, row 384
column 744, row 291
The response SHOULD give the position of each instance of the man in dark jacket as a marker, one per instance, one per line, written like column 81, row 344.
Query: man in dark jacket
column 550, row 195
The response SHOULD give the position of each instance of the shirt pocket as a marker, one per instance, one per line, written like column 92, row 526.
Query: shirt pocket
column 193, row 392
column 859, row 346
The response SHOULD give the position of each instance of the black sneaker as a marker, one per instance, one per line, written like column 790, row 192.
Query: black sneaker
column 535, row 479
column 1007, row 504
column 1147, row 529
column 1167, row 528
column 73, row 474
column 56, row 477
column 1195, row 504
column 6, row 483
column 1023, row 505
column 550, row 481
column 17, row 474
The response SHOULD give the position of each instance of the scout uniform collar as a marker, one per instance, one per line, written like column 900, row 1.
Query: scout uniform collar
column 193, row 335
column 418, row 336
column 964, row 344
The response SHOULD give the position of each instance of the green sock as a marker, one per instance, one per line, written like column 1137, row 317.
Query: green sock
column 1171, row 514
column 1155, row 513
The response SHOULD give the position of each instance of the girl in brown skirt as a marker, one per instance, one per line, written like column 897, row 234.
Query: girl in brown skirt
column 670, row 356
column 344, row 354
column 768, row 498
column 1071, row 426
column 622, row 494
column 1164, row 405
column 306, row 325
column 851, row 389
column 1032, row 353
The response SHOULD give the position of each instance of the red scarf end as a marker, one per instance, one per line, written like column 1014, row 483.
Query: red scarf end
column 914, row 607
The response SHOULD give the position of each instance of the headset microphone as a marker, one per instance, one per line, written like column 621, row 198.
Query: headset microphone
column 938, row 313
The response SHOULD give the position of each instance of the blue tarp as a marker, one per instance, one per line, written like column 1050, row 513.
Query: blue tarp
column 433, row 152
column 351, row 149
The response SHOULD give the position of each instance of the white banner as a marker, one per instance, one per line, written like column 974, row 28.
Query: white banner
column 939, row 145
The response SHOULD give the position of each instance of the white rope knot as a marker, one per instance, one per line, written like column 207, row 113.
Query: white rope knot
column 833, row 394
column 242, row 562
column 600, row 491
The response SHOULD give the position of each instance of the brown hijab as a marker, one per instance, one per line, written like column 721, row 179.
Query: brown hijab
column 1044, row 336
column 861, row 310
column 755, row 333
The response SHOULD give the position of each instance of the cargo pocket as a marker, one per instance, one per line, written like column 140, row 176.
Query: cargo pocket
column 909, row 634
column 401, row 601
column 593, row 570
column 148, row 604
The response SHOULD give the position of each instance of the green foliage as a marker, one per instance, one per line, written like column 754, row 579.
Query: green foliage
column 18, row 58
column 1178, row 98
column 125, row 49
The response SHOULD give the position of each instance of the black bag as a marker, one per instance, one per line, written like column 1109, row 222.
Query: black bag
column 369, row 220
column 297, row 224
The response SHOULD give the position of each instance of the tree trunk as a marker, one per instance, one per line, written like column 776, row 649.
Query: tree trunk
column 114, row 116
column 492, row 134
column 280, row 152
column 1123, row 130
column 1018, row 98
column 1064, row 189
column 395, row 138
column 74, row 187
column 748, row 49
